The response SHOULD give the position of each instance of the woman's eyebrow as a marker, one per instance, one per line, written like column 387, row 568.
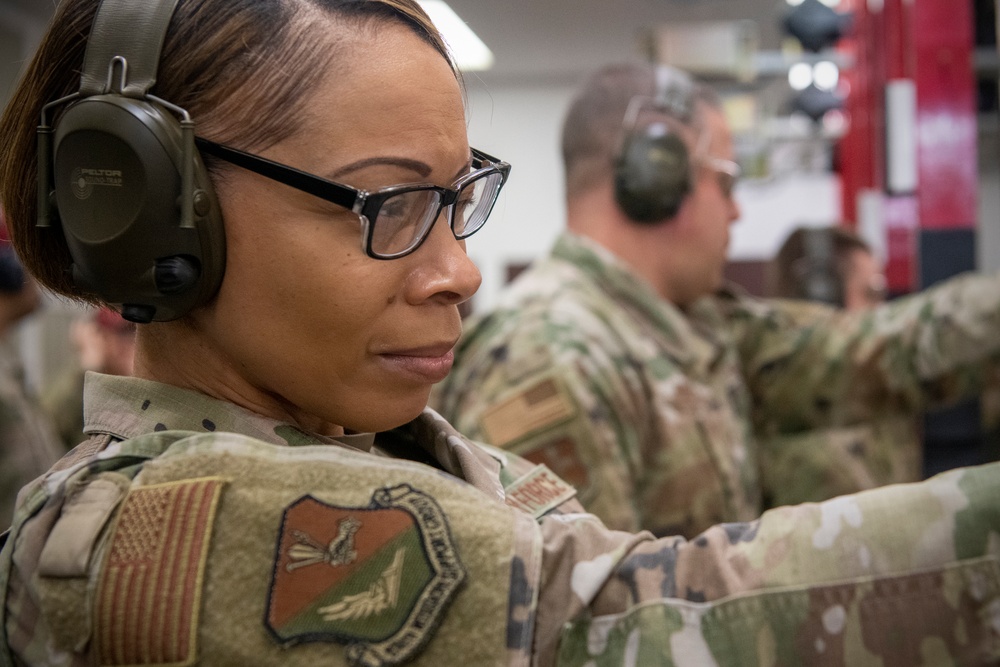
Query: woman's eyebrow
column 421, row 168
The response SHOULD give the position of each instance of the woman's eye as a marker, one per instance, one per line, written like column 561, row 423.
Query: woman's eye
column 396, row 209
column 465, row 202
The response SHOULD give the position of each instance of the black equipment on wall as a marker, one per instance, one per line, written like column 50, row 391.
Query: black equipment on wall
column 653, row 167
column 119, row 173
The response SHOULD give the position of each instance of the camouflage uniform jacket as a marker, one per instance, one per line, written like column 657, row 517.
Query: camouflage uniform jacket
column 28, row 443
column 654, row 414
column 806, row 466
column 187, row 530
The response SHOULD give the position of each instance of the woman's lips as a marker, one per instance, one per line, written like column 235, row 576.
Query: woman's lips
column 430, row 364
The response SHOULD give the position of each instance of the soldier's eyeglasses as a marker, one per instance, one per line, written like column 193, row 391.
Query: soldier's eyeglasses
column 876, row 290
column 395, row 220
column 727, row 173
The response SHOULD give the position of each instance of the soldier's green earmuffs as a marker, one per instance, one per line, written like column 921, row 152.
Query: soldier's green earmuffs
column 653, row 174
column 817, row 270
column 119, row 173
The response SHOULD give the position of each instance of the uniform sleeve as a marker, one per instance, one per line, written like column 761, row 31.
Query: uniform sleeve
column 922, row 351
column 902, row 575
column 823, row 463
column 555, row 395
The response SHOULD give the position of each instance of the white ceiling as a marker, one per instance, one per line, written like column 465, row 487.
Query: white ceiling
column 559, row 38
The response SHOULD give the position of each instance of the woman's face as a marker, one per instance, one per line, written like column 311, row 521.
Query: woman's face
column 305, row 323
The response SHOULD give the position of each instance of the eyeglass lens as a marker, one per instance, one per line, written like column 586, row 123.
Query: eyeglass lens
column 727, row 173
column 727, row 183
column 404, row 220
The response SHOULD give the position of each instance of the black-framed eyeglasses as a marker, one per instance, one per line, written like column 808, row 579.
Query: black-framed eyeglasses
column 394, row 220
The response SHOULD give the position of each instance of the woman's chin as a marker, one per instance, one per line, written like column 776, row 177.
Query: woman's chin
column 390, row 414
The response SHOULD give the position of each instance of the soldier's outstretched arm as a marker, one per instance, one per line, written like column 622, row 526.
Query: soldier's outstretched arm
column 902, row 575
column 924, row 350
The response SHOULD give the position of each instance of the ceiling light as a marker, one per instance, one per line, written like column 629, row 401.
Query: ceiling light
column 470, row 53
column 826, row 75
column 800, row 76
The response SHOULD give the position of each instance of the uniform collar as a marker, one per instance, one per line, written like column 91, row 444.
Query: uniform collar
column 128, row 407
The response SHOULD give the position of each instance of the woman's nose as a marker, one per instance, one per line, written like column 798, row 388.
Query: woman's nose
column 443, row 270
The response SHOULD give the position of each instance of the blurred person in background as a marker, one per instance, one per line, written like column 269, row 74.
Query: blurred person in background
column 831, row 265
column 28, row 444
column 814, row 269
column 104, row 342
column 624, row 363
column 834, row 265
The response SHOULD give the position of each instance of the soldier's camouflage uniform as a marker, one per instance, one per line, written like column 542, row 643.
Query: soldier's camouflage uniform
column 28, row 442
column 187, row 530
column 657, row 416
column 804, row 466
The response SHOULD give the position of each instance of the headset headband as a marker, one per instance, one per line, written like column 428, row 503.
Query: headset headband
column 132, row 31
column 674, row 93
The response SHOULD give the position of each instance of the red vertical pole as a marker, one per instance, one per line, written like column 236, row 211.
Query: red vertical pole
column 943, row 39
column 929, row 218
column 901, row 210
column 946, row 114
column 858, row 149
column 930, row 43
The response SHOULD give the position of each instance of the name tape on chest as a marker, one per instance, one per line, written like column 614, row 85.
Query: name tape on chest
column 538, row 492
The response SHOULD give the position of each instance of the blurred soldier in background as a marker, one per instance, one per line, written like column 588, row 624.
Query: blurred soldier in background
column 831, row 265
column 104, row 342
column 28, row 445
column 623, row 362
column 816, row 268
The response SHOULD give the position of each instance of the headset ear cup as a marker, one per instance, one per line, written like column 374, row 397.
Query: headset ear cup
column 818, row 270
column 652, row 174
column 118, row 174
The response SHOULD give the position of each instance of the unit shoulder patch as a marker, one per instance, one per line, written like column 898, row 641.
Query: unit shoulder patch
column 377, row 579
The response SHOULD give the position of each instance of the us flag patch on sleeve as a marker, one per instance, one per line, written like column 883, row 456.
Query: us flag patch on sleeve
column 541, row 405
column 149, row 592
column 377, row 579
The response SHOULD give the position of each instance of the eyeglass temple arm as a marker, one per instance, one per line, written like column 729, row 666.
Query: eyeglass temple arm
column 486, row 157
column 300, row 180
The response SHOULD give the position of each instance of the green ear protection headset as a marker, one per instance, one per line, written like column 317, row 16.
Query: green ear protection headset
column 119, row 174
column 653, row 166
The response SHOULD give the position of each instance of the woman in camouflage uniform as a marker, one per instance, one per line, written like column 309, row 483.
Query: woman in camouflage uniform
column 269, row 488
